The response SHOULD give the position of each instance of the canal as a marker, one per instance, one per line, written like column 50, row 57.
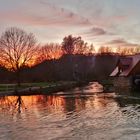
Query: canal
column 80, row 114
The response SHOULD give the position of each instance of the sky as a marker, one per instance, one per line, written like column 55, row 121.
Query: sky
column 101, row 22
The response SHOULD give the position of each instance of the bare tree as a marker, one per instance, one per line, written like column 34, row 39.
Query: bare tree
column 91, row 50
column 69, row 43
column 84, row 49
column 81, row 48
column 48, row 52
column 105, row 50
column 137, row 50
column 17, row 49
column 128, row 50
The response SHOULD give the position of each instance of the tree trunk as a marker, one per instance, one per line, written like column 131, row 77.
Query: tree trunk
column 18, row 78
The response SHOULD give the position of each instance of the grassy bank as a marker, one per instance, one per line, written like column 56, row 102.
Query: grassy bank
column 107, row 84
column 36, row 88
column 11, row 87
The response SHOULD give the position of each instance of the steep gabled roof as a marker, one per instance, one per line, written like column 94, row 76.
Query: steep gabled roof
column 126, row 61
column 127, row 72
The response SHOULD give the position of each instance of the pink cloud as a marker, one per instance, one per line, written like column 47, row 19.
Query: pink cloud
column 48, row 15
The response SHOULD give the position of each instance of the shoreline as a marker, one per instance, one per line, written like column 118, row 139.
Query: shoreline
column 44, row 90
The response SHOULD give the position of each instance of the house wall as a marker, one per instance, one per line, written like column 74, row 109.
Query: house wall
column 122, row 81
column 122, row 84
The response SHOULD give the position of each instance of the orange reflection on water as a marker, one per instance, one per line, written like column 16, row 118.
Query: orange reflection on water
column 55, row 101
column 52, row 103
column 24, row 102
column 97, row 102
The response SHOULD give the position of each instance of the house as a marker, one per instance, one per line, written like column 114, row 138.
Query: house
column 127, row 72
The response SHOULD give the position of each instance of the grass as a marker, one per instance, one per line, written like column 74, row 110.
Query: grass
column 11, row 87
column 106, row 81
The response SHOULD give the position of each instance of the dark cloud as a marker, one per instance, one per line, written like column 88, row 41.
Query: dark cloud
column 95, row 31
column 117, row 41
column 98, row 31
column 122, row 42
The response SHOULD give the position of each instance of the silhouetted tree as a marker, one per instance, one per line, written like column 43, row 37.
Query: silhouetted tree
column 17, row 50
column 91, row 50
column 137, row 50
column 127, row 50
column 48, row 52
column 81, row 48
column 69, row 43
column 105, row 50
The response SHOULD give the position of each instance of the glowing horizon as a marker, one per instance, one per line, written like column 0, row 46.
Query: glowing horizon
column 103, row 23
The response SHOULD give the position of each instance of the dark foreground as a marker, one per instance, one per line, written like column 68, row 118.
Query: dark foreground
column 80, row 114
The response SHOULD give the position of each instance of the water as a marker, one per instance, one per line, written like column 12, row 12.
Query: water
column 81, row 114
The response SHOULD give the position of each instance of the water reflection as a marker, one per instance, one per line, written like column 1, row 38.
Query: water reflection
column 13, row 104
column 70, row 115
column 19, row 104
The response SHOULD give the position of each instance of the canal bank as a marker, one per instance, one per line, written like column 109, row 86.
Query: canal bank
column 44, row 89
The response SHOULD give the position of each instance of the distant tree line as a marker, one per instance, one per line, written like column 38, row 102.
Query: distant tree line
column 19, row 50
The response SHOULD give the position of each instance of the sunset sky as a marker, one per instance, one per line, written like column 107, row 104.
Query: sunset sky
column 101, row 22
